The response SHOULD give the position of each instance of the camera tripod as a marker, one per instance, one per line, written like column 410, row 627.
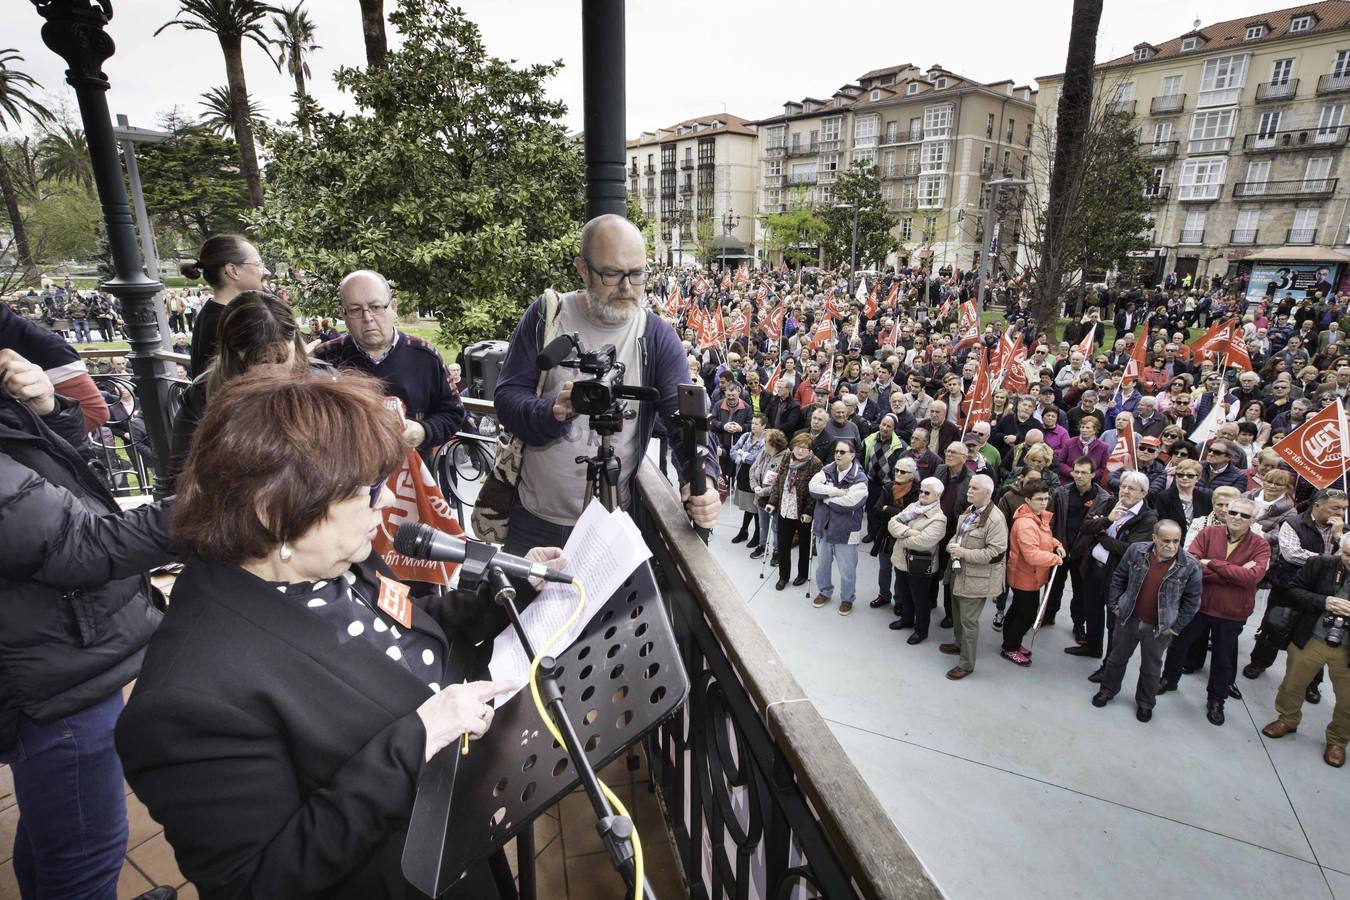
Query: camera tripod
column 604, row 468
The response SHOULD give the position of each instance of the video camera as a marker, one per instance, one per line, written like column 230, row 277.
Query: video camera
column 598, row 395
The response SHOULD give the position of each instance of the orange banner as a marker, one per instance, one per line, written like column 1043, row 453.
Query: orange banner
column 1315, row 449
column 417, row 498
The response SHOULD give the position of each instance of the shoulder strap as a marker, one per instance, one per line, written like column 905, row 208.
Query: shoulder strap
column 549, row 316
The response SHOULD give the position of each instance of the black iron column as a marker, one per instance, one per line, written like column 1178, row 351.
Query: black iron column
column 74, row 30
column 603, row 106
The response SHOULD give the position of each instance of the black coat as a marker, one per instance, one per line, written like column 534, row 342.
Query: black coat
column 76, row 608
column 1094, row 529
column 1319, row 578
column 1168, row 506
column 281, row 761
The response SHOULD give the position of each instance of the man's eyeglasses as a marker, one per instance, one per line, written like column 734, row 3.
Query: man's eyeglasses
column 611, row 277
column 375, row 310
column 1240, row 515
column 843, row 453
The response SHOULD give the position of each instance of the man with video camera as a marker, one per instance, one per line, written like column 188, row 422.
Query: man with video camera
column 549, row 491
column 1317, row 638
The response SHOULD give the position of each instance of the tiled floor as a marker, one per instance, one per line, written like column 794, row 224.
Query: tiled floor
column 570, row 861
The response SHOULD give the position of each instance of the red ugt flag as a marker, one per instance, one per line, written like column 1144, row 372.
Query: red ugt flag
column 1316, row 448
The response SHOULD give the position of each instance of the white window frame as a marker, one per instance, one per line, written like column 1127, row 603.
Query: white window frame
column 866, row 130
column 829, row 162
column 1222, row 79
column 1247, row 225
column 1340, row 66
column 907, row 228
column 1194, row 225
column 777, row 137
column 912, row 89
column 832, row 128
column 1212, row 131
column 1202, row 179
column 865, row 155
column 1254, row 33
column 1330, row 118
column 932, row 191
column 1302, row 23
column 773, row 168
column 1142, row 54
column 937, row 121
column 1282, row 70
column 1189, row 44
column 1172, row 85
column 1305, row 220
column 1256, row 176
column 876, row 95
column 934, row 158
column 1162, row 133
column 1316, row 174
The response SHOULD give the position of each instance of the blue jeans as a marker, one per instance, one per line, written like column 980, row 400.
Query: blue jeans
column 81, row 327
column 72, row 832
column 766, row 529
column 847, row 557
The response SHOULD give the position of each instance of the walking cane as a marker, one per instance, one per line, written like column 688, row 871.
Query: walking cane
column 810, row 559
column 1040, row 607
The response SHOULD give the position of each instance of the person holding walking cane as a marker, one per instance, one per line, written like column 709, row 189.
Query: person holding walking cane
column 1033, row 554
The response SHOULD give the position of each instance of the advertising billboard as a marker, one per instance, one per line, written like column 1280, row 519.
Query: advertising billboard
column 1297, row 279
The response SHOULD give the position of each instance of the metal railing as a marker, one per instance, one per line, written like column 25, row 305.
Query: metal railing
column 1158, row 193
column 1279, row 190
column 1268, row 91
column 1167, row 103
column 987, row 168
column 1331, row 83
column 810, row 149
column 1123, row 106
column 802, row 178
column 687, row 165
column 1301, row 236
column 1194, row 236
column 1242, row 236
column 1311, row 138
column 775, row 149
column 649, row 170
column 1159, row 149
column 750, row 757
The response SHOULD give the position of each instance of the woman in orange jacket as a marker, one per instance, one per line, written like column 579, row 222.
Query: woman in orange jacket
column 1033, row 552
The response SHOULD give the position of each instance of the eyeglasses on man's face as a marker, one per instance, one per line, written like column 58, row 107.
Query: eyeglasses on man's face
column 374, row 310
column 612, row 277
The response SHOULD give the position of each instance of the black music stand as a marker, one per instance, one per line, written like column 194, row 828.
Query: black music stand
column 619, row 680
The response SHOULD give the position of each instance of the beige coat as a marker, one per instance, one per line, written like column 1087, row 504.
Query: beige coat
column 979, row 575
column 924, row 534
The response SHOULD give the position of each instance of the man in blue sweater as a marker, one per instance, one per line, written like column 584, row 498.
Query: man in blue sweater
column 549, row 493
column 412, row 370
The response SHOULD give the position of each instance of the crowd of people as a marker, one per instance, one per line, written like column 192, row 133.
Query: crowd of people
column 284, row 707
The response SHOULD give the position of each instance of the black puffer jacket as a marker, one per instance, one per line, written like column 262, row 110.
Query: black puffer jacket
column 77, row 606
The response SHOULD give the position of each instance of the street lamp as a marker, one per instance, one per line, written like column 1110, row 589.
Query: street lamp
column 729, row 221
column 991, row 228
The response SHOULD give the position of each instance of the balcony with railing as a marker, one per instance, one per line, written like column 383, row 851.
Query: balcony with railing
column 686, row 187
column 1158, row 193
column 891, row 171
column 909, row 137
column 1192, row 236
column 803, row 178
column 1311, row 138
column 1285, row 190
column 1332, row 83
column 633, row 171
column 1271, row 91
column 687, row 165
column 987, row 168
column 1242, row 236
column 649, row 169
column 807, row 149
column 775, row 181
column 772, row 150
column 832, row 145
column 1159, row 149
column 649, row 193
column 1167, row 103
column 1301, row 236
column 1205, row 192
column 1123, row 107
column 1209, row 145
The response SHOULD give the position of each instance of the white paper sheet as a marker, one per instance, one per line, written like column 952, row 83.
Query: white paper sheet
column 603, row 550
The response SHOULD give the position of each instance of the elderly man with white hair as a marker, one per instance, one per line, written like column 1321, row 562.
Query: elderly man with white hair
column 977, row 551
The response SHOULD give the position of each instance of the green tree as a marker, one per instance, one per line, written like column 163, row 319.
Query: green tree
column 233, row 22
column 193, row 186
column 63, row 155
column 218, row 112
column 452, row 176
column 795, row 233
column 859, row 186
column 17, row 103
column 294, row 40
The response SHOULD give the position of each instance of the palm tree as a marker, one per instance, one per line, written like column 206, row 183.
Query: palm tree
column 16, row 102
column 294, row 41
column 63, row 155
column 231, row 21
column 372, row 28
column 219, row 115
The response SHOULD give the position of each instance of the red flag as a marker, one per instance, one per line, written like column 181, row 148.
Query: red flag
column 1134, row 367
column 981, row 399
column 700, row 285
column 719, row 325
column 708, row 333
column 740, row 324
column 824, row 332
column 970, row 319
column 773, row 379
column 831, row 311
column 1237, row 351
column 1015, row 369
column 945, row 309
column 894, row 292
column 743, row 273
column 417, row 499
column 696, row 316
column 871, row 307
column 1316, row 448
column 726, row 281
column 674, row 303
column 1085, row 345
column 1124, row 455
column 826, row 382
column 998, row 353
column 772, row 326
column 1216, row 339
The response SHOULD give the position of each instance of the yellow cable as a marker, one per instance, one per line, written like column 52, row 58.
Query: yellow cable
column 557, row 736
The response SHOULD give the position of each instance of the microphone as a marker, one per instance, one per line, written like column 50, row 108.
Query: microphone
column 555, row 352
column 421, row 541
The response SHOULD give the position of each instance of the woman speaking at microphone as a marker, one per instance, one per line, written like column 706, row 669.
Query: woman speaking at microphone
column 289, row 700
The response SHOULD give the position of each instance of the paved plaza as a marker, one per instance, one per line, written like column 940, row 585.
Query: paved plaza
column 1011, row 784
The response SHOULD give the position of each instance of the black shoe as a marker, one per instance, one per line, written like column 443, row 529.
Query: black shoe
column 740, row 538
column 1234, row 693
column 782, row 583
column 946, row 622
column 1214, row 712
column 1252, row 670
column 1080, row 633
column 878, row 602
column 1083, row 651
column 900, row 625
column 1142, row 714
column 1096, row 677
column 758, row 553
column 1313, row 694
column 163, row 892
column 915, row 638
column 1189, row 669
column 773, row 558
column 799, row 581
column 1100, row 699
column 1164, row 686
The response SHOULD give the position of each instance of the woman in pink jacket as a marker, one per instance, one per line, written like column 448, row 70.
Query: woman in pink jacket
column 1033, row 552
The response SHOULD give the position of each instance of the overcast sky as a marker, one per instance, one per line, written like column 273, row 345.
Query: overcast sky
column 686, row 58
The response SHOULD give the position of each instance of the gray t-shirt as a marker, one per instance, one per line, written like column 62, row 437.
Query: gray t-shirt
column 552, row 483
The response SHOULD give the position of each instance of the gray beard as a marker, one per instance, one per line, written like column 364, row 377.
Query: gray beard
column 609, row 313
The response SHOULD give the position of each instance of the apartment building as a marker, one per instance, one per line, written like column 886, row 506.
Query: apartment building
column 699, row 175
column 1245, row 123
column 936, row 138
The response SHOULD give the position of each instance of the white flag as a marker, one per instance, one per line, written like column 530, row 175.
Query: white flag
column 1209, row 426
column 861, row 293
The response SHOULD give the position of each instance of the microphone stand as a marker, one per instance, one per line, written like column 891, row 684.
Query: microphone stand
column 479, row 576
